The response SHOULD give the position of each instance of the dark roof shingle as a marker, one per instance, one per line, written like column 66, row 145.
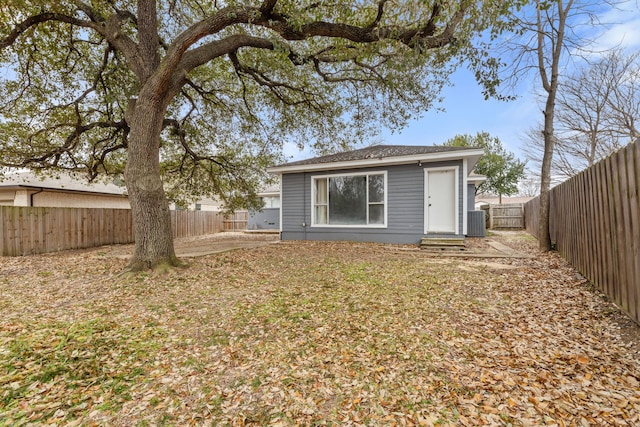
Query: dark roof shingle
column 376, row 151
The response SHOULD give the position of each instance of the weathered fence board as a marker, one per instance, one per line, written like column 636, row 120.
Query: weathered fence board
column 595, row 223
column 198, row 223
column 508, row 215
column 38, row 230
column 27, row 231
column 237, row 222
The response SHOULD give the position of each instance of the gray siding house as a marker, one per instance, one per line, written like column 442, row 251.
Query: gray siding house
column 382, row 193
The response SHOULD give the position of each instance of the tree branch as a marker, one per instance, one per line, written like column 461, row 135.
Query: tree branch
column 267, row 6
column 109, row 29
column 378, row 17
column 424, row 37
column 181, row 134
column 148, row 35
column 175, row 57
column 55, row 154
column 35, row 20
column 207, row 52
column 273, row 86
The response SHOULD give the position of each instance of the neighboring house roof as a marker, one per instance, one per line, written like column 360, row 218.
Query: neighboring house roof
column 62, row 182
column 377, row 155
column 270, row 190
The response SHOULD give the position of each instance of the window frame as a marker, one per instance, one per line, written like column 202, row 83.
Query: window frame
column 350, row 174
column 269, row 202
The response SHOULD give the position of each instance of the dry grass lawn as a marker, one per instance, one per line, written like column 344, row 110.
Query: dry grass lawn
column 310, row 333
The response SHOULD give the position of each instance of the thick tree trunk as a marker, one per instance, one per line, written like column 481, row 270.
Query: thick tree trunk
column 544, row 236
column 149, row 206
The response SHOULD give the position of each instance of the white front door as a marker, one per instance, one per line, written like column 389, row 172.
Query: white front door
column 441, row 197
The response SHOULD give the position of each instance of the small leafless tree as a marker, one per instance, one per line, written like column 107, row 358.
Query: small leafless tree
column 529, row 186
column 598, row 111
column 624, row 102
column 598, row 108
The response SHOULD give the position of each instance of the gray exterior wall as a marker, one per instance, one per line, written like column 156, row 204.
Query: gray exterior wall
column 266, row 219
column 405, row 210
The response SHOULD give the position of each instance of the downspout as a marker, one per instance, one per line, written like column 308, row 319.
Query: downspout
column 33, row 194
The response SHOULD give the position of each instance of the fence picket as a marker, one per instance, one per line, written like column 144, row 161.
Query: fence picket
column 26, row 230
column 634, row 177
column 632, row 227
column 595, row 223
column 626, row 272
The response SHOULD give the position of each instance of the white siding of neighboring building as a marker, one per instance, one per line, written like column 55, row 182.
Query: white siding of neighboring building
column 61, row 199
column 57, row 199
column 21, row 198
column 60, row 191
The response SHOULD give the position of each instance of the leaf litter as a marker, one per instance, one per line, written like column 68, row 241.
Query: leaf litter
column 312, row 333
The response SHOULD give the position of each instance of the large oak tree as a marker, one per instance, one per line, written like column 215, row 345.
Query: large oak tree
column 194, row 97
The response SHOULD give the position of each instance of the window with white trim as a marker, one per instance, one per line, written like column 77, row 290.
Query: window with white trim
column 350, row 200
column 271, row 201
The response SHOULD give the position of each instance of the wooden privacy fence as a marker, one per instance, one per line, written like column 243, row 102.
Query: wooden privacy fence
column 236, row 222
column 195, row 223
column 38, row 230
column 505, row 216
column 27, row 231
column 595, row 224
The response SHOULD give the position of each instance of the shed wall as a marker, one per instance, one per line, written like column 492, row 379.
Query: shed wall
column 265, row 219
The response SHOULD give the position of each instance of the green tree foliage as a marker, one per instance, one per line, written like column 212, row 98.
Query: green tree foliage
column 502, row 169
column 194, row 98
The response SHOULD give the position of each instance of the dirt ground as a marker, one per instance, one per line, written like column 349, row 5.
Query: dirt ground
column 190, row 247
column 496, row 244
column 256, row 332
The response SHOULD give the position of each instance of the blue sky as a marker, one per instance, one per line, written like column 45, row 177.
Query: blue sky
column 467, row 112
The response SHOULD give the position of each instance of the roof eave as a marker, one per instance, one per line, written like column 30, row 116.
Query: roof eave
column 59, row 190
column 472, row 157
column 476, row 179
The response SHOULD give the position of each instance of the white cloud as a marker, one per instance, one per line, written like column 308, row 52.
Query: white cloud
column 625, row 36
column 622, row 27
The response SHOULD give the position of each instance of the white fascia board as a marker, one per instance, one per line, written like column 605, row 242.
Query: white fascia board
column 268, row 194
column 476, row 179
column 472, row 157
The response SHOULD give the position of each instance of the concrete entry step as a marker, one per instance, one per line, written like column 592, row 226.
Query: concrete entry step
column 443, row 244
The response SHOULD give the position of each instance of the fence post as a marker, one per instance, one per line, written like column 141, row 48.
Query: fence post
column 491, row 216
